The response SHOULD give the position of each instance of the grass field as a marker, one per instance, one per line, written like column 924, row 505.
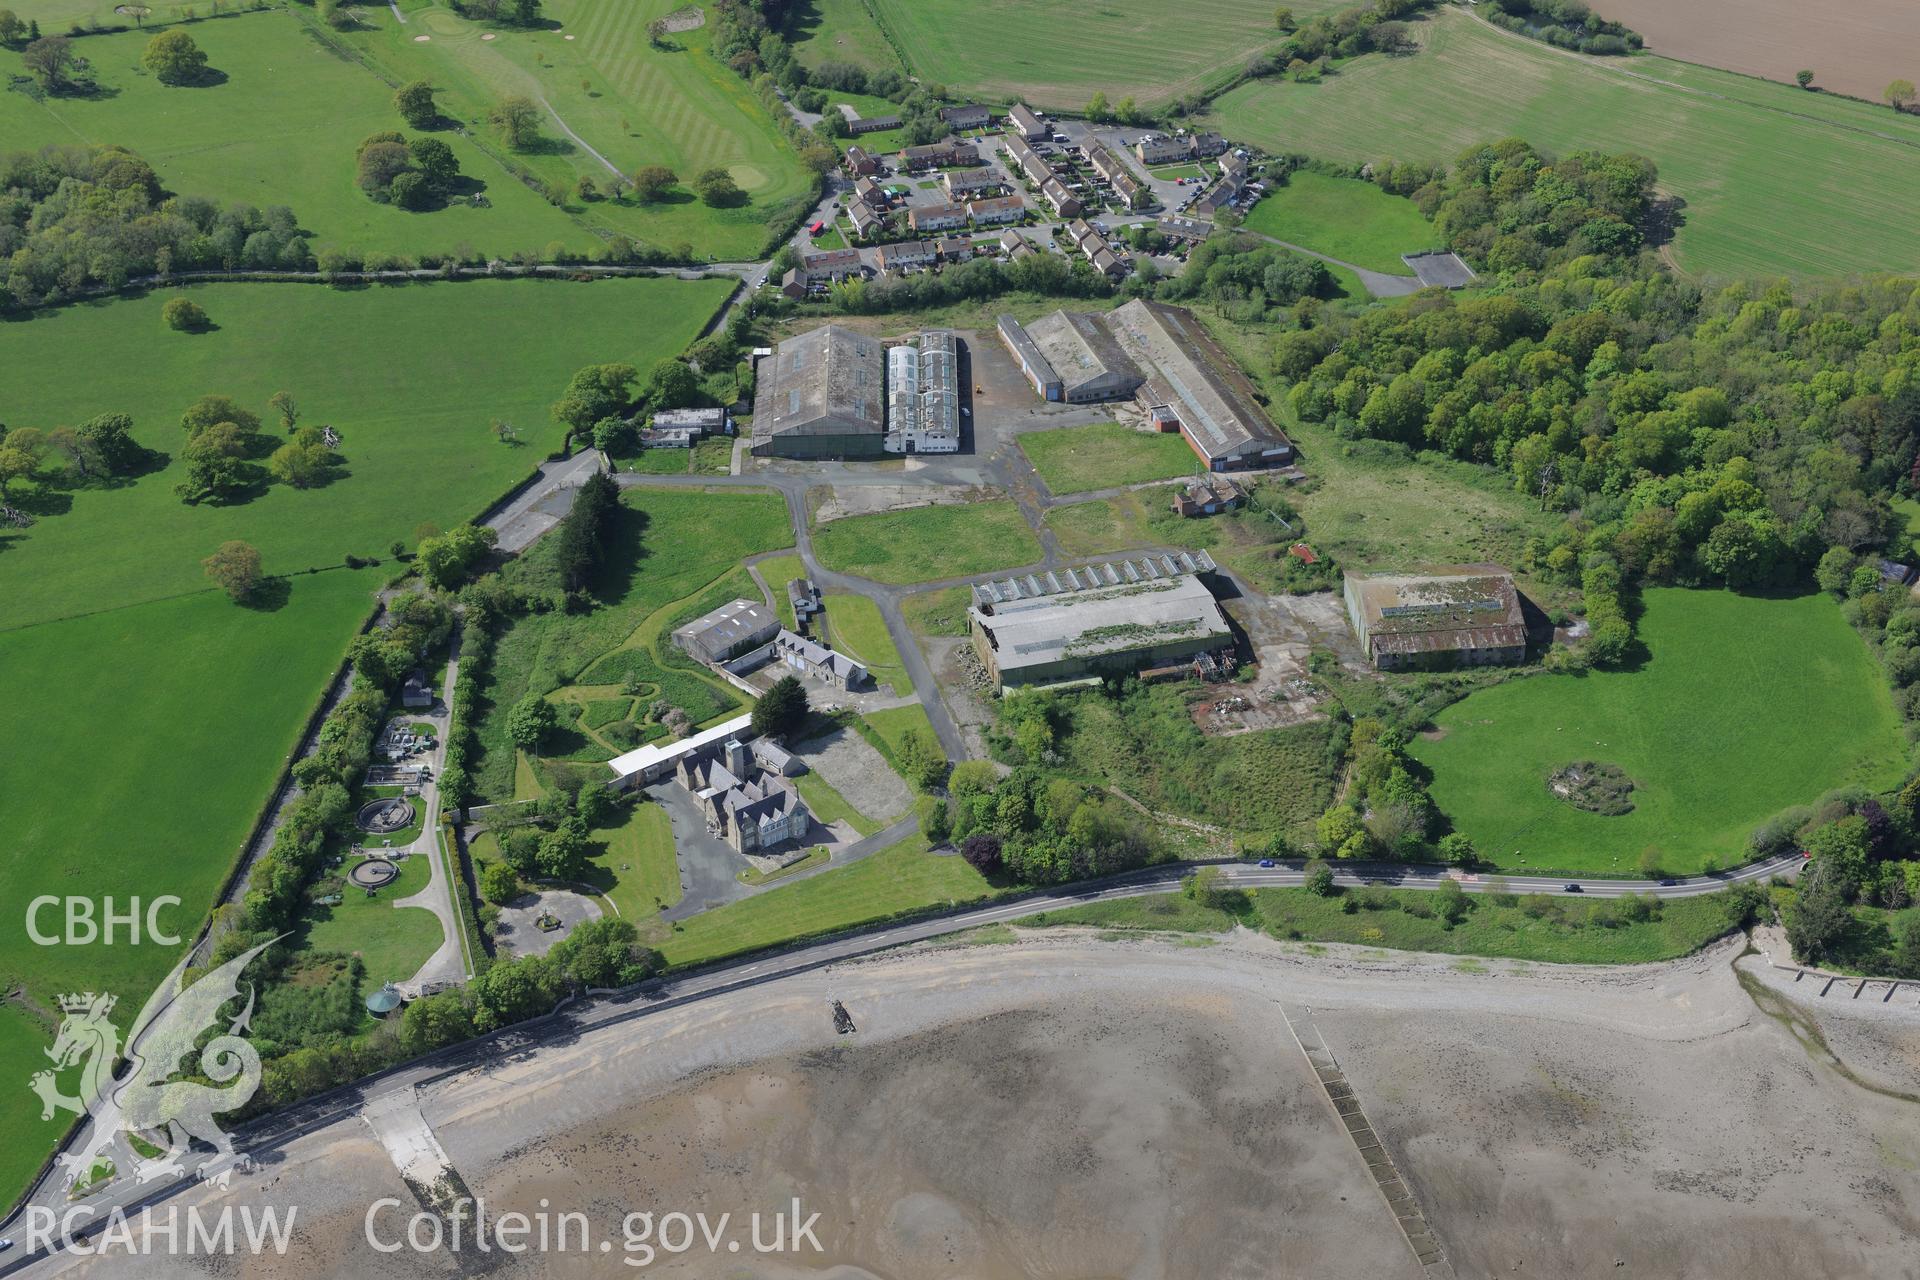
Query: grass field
column 633, row 863
column 633, row 104
column 1725, row 144
column 1745, row 706
column 1563, row 936
column 942, row 612
column 838, row 31
column 858, row 630
column 891, row 881
column 895, row 723
column 281, row 128
column 1344, row 218
column 1005, row 50
column 1105, row 456
column 159, row 711
column 392, row 941
column 923, row 544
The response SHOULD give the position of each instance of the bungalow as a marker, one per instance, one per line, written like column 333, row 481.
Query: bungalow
column 911, row 253
column 996, row 209
column 954, row 153
column 936, row 217
column 970, row 116
column 962, row 183
column 860, row 163
column 868, row 124
column 1064, row 202
column 1209, row 496
column 1026, row 124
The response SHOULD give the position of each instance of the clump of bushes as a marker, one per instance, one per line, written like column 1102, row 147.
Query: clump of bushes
column 1594, row 787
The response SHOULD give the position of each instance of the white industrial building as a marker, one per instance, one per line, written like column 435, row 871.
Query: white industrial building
column 923, row 394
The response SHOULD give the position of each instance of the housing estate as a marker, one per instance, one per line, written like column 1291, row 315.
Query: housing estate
column 909, row 253
column 936, row 217
column 1026, row 124
column 996, row 209
column 1225, row 189
column 1064, row 202
column 860, row 162
column 952, row 153
column 970, row 116
column 1032, row 166
column 1118, row 176
column 962, row 183
column 1191, row 230
column 1160, row 148
column 1463, row 615
column 866, row 220
column 1101, row 619
column 817, row 269
column 1162, row 356
column 819, row 396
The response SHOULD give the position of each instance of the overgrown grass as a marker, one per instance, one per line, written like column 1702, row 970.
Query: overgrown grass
column 1106, row 456
column 894, row 724
column 1345, row 218
column 1546, row 930
column 675, row 554
column 923, row 544
column 839, row 31
column 942, row 612
column 1742, row 707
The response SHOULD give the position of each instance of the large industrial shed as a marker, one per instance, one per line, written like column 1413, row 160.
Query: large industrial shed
column 1462, row 615
column 1103, row 619
column 1193, row 386
column 820, row 395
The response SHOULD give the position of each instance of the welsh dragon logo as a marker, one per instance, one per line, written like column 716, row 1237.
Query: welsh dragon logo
column 146, row 1099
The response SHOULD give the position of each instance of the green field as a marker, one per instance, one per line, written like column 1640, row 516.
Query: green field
column 1774, row 179
column 1106, row 456
column 406, row 408
column 777, row 572
column 1564, row 933
column 633, row 863
column 838, row 31
column 923, row 544
column 1005, row 50
column 392, row 941
column 281, row 128
column 633, row 104
column 892, row 881
column 858, row 630
column 1344, row 218
column 895, row 723
column 1744, row 706
column 159, row 712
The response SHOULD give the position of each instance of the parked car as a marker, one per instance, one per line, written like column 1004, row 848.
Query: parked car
column 1574, row 888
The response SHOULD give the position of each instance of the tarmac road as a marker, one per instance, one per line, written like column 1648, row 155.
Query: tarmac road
column 754, row 970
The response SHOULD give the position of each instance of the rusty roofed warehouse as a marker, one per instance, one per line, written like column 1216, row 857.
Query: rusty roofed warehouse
column 1468, row 615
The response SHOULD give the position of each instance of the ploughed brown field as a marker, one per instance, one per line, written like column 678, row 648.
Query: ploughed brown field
column 1853, row 46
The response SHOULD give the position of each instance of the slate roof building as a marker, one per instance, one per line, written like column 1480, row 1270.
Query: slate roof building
column 1463, row 615
column 1026, row 124
column 731, row 630
column 814, row 661
column 970, row 116
column 860, row 162
column 819, row 396
column 995, row 209
column 1064, row 202
column 963, row 183
column 751, row 809
column 1193, row 386
column 1030, row 163
column 1101, row 619
column 909, row 253
column 952, row 153
column 1208, row 496
column 936, row 217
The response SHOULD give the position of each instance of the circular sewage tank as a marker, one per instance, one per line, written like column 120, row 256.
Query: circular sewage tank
column 394, row 813
column 372, row 873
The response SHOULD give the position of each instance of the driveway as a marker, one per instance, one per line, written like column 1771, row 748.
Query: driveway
column 544, row 502
column 708, row 864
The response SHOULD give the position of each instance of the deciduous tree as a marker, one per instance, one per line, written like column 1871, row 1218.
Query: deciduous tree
column 531, row 720
column 174, row 58
column 652, row 182
column 184, row 315
column 236, row 568
column 414, row 101
column 517, row 121
column 1900, row 94
column 54, row 65
column 716, row 188
column 1803, row 78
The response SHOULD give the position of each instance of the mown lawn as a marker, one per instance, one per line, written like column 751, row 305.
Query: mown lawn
column 633, row 863
column 1344, row 218
column 858, row 630
column 1743, row 707
column 1550, row 931
column 777, row 572
column 1722, row 142
column 392, row 941
column 892, row 881
column 1105, row 456
column 632, row 103
column 927, row 543
column 281, row 129
column 828, row 805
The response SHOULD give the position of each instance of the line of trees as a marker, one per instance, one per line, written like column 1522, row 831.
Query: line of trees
column 1565, row 24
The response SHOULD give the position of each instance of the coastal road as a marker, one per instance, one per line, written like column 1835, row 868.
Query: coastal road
column 655, row 996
